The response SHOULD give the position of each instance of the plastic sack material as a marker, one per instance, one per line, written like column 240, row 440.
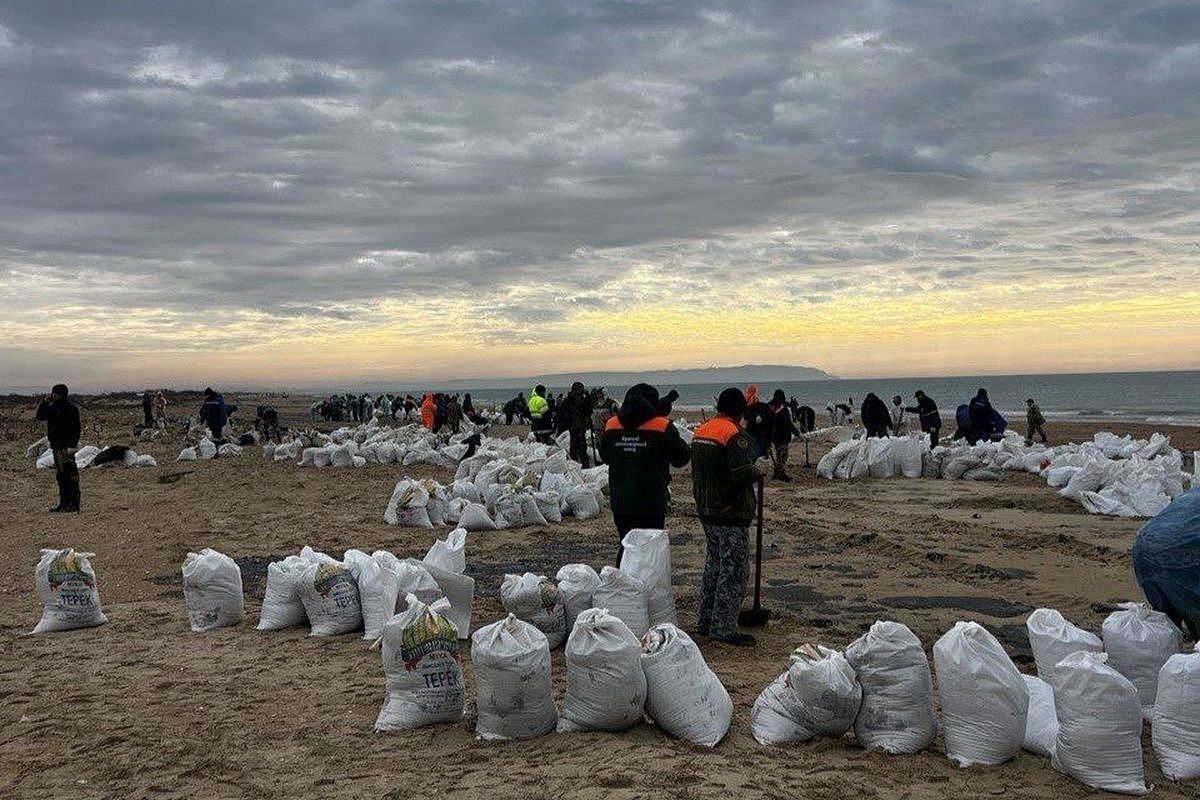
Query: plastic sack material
column 476, row 518
column 683, row 696
column 897, row 705
column 646, row 555
column 1175, row 728
column 407, row 506
column 576, row 584
column 581, row 502
column 66, row 585
column 450, row 553
column 983, row 697
column 625, row 598
column 330, row 596
column 1052, row 638
column 459, row 593
column 212, row 590
column 819, row 695
column 281, row 605
column 1099, row 725
column 1041, row 724
column 606, row 687
column 511, row 662
column 1139, row 641
column 534, row 599
column 422, row 663
column 378, row 588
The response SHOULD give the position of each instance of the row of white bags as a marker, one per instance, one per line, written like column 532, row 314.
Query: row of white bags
column 613, row 681
column 1088, row 721
column 639, row 593
column 362, row 592
column 84, row 456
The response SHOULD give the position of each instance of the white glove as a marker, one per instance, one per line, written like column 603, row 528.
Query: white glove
column 762, row 465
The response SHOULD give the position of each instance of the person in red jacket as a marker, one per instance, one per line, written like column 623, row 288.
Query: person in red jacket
column 427, row 410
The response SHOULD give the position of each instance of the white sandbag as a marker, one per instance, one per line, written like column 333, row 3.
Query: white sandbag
column 897, row 705
column 507, row 511
column 606, row 687
column 909, row 454
column 450, row 553
column 212, row 590
column 646, row 555
column 415, row 578
column 984, row 701
column 206, row 448
column 439, row 501
column 1139, row 641
column 581, row 502
column 576, row 584
column 531, row 512
column 819, row 695
column 879, row 458
column 407, row 506
column 1052, row 638
column 378, row 589
column 330, row 596
column 422, row 664
column 1041, row 724
column 625, row 598
column 1175, row 727
column 511, row 662
column 773, row 719
column 826, row 689
column 534, row 599
column 281, row 605
column 549, row 503
column 229, row 450
column 145, row 460
column 186, row 454
column 475, row 518
column 683, row 696
column 66, row 585
column 466, row 490
column 458, row 592
column 1099, row 725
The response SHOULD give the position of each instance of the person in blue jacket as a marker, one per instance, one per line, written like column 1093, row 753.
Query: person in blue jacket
column 982, row 416
column 214, row 413
column 1166, row 561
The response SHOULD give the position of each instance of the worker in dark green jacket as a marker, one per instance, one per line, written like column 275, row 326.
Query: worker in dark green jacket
column 640, row 446
column 724, row 472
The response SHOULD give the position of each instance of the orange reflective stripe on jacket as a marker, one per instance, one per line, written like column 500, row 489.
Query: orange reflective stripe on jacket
column 718, row 429
column 658, row 424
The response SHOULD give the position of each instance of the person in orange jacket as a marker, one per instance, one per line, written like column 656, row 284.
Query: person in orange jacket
column 427, row 409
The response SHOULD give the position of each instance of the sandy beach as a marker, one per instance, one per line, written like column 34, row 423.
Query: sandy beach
column 140, row 707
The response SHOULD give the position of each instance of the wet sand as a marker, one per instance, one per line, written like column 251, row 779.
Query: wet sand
column 140, row 707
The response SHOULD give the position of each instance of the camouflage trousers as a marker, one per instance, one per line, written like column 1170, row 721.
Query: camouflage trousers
column 726, row 567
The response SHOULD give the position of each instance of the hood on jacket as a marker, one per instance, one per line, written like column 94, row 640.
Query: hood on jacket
column 639, row 407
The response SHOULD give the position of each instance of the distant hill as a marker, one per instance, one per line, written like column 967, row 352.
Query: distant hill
column 663, row 378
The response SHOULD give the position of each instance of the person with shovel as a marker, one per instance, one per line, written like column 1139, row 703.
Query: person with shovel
column 724, row 472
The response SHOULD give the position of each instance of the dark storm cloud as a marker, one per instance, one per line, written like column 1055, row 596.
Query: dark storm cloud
column 298, row 158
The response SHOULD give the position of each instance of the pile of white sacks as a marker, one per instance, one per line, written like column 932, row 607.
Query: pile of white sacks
column 1112, row 475
column 362, row 592
column 372, row 443
column 1084, row 710
column 206, row 448
column 505, row 484
column 619, row 672
column 39, row 452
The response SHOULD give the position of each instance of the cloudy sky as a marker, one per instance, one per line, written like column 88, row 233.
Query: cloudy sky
column 281, row 194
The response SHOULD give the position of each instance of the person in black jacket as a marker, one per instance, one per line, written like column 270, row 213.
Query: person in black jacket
column 782, row 430
column 931, row 420
column 875, row 416
column 62, row 431
column 640, row 446
column 147, row 409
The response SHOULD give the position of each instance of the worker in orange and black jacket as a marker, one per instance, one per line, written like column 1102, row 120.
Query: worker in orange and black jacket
column 724, row 471
column 640, row 446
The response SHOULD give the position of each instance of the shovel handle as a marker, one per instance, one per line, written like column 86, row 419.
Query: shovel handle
column 758, row 547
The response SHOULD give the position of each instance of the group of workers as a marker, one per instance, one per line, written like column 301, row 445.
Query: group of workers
column 975, row 421
column 154, row 409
